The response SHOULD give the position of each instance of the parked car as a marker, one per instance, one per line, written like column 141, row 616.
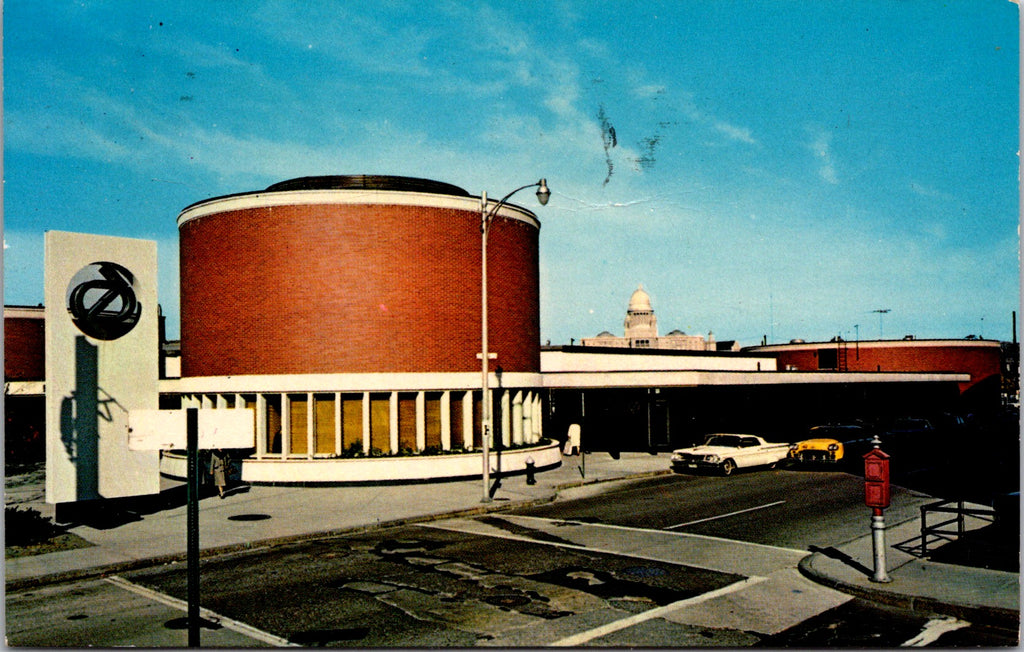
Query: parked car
column 728, row 452
column 830, row 443
column 910, row 427
column 817, row 450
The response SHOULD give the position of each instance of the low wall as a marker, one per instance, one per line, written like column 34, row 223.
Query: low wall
column 417, row 468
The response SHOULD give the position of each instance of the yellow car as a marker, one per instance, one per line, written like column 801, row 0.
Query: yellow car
column 819, row 450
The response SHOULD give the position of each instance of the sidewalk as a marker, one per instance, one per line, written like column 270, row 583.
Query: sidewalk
column 973, row 594
column 251, row 517
column 258, row 515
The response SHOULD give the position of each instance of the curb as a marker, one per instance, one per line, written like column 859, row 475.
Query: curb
column 636, row 476
column 997, row 616
column 252, row 546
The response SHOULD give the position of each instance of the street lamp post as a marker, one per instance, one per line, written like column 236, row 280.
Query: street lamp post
column 486, row 216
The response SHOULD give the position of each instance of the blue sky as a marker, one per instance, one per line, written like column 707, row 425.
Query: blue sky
column 778, row 169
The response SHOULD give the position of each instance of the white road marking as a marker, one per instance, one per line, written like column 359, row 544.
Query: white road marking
column 441, row 525
column 585, row 637
column 715, row 518
column 223, row 621
column 692, row 550
column 610, row 526
column 933, row 629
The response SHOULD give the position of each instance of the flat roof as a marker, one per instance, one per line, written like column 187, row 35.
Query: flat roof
column 622, row 350
column 715, row 378
column 796, row 346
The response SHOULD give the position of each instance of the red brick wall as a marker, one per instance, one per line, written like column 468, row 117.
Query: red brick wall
column 24, row 348
column 354, row 289
column 980, row 361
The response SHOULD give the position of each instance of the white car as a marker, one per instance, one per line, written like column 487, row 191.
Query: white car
column 728, row 452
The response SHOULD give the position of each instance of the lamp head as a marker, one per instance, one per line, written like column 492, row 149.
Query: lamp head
column 543, row 194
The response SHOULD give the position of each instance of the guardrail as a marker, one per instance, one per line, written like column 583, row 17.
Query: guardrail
column 942, row 531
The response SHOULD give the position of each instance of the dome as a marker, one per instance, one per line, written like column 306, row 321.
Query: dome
column 368, row 182
column 640, row 301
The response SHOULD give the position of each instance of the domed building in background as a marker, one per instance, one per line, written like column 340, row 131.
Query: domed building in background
column 641, row 331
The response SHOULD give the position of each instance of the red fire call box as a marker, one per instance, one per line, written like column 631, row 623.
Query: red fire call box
column 876, row 479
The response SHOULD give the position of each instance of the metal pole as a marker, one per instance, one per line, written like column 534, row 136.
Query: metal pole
column 485, row 224
column 192, row 518
column 485, row 412
column 878, row 543
column 583, row 414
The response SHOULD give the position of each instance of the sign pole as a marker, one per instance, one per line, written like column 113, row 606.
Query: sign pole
column 878, row 545
column 191, row 429
column 192, row 547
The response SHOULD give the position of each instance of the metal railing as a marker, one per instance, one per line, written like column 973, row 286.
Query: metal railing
column 949, row 529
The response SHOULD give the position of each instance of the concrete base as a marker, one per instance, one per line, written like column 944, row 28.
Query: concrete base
column 418, row 468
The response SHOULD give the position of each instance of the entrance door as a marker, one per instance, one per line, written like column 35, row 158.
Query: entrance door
column 658, row 425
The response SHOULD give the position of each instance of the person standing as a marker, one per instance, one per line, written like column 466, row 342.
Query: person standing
column 220, row 464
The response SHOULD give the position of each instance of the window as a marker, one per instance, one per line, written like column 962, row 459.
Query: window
column 323, row 436
column 297, row 404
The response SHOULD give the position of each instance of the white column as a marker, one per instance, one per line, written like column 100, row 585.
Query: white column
column 421, row 421
column 517, row 418
column 446, row 420
column 528, row 417
column 337, row 423
column 286, row 425
column 205, row 401
column 222, row 402
column 467, row 421
column 393, row 421
column 261, row 426
column 506, row 419
column 538, row 417
column 366, row 422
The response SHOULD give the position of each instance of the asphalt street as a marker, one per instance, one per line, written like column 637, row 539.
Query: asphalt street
column 672, row 561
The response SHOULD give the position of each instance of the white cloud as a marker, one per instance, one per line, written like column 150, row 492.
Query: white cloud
column 932, row 193
column 821, row 148
column 649, row 90
column 741, row 134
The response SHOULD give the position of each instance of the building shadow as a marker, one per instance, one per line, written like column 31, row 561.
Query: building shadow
column 79, row 421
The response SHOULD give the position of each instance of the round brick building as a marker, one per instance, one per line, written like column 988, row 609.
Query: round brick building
column 346, row 312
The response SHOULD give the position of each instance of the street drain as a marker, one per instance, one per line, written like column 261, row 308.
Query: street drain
column 249, row 517
column 324, row 637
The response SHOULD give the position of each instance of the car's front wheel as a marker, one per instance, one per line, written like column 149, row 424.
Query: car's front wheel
column 728, row 467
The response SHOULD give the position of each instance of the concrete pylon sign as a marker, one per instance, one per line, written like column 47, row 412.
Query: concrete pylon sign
column 102, row 361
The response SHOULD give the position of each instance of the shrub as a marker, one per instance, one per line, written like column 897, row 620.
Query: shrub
column 26, row 527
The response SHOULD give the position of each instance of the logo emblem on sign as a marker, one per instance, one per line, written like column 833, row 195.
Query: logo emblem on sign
column 102, row 301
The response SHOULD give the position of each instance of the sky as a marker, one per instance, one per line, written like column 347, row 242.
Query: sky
column 766, row 170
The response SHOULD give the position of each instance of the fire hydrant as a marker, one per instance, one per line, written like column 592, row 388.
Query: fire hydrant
column 530, row 471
